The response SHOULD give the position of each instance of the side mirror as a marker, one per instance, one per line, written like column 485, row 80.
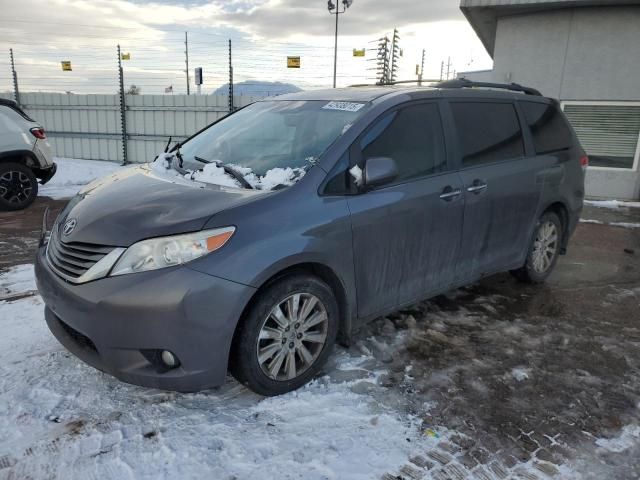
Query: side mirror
column 379, row 170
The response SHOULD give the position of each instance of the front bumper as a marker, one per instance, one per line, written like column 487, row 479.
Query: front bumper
column 115, row 324
column 45, row 174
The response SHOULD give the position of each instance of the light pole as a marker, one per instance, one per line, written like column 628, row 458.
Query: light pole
column 335, row 10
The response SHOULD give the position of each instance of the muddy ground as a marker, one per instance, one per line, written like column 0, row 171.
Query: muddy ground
column 534, row 381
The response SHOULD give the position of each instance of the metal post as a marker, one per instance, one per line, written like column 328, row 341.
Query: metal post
column 448, row 67
column 123, row 114
column 441, row 70
column 186, row 59
column 16, row 91
column 421, row 69
column 335, row 50
column 231, row 107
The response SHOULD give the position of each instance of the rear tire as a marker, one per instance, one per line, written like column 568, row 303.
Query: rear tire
column 18, row 186
column 285, row 336
column 543, row 251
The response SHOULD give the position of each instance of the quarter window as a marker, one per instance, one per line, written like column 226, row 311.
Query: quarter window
column 413, row 137
column 488, row 132
column 548, row 127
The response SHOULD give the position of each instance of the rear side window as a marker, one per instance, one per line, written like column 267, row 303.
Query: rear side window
column 488, row 132
column 413, row 137
column 548, row 127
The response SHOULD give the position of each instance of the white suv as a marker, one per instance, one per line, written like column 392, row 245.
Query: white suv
column 25, row 157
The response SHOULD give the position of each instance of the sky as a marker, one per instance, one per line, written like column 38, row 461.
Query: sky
column 42, row 33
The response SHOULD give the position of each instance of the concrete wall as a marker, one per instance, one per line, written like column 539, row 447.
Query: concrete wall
column 582, row 54
column 89, row 126
column 573, row 54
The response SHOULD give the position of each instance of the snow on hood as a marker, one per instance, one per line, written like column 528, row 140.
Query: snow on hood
column 214, row 174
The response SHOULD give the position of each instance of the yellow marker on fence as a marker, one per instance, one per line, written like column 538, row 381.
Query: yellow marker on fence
column 126, row 56
column 293, row 62
column 66, row 66
column 358, row 52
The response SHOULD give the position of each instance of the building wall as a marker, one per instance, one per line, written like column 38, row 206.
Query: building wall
column 573, row 54
column 579, row 54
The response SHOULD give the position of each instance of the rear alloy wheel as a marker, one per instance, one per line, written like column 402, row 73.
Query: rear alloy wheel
column 286, row 336
column 545, row 247
column 544, row 250
column 18, row 186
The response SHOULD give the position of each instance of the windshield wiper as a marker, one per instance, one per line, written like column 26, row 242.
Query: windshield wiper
column 228, row 170
column 176, row 150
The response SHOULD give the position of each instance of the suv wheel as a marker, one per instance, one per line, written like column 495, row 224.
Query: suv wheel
column 286, row 336
column 18, row 186
column 544, row 250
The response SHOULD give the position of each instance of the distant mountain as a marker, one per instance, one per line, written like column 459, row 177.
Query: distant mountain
column 258, row 88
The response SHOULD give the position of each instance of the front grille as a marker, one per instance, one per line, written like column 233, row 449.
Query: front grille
column 72, row 260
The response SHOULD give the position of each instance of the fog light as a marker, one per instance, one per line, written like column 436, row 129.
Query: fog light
column 169, row 359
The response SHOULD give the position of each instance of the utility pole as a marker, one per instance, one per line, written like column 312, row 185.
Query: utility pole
column 186, row 59
column 448, row 67
column 123, row 111
column 335, row 52
column 382, row 70
column 16, row 91
column 231, row 107
column 331, row 6
column 421, row 68
column 441, row 70
column 395, row 48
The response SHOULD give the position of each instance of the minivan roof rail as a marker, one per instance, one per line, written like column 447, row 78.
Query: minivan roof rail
column 466, row 83
column 458, row 83
column 426, row 82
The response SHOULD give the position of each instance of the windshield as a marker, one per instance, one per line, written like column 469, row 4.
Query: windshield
column 272, row 135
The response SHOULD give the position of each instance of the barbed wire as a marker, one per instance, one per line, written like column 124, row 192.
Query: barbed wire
column 159, row 63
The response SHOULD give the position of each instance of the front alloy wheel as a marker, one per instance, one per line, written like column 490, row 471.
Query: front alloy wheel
column 286, row 335
column 292, row 336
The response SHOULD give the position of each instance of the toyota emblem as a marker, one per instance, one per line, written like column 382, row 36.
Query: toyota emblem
column 69, row 226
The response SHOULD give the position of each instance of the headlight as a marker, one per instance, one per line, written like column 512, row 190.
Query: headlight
column 164, row 252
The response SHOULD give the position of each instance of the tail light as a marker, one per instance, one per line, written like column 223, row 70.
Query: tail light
column 38, row 132
column 584, row 163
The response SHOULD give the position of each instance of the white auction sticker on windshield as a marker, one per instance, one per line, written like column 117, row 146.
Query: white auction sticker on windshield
column 344, row 106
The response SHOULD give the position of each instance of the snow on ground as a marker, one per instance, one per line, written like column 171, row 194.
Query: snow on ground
column 521, row 373
column 489, row 381
column 615, row 204
column 61, row 418
column 590, row 220
column 73, row 174
column 613, row 224
column 628, row 438
column 17, row 280
column 625, row 224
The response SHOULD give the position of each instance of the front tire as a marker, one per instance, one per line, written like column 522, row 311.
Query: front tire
column 286, row 335
column 544, row 250
column 18, row 186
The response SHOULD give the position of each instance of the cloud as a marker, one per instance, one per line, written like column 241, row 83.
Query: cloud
column 44, row 32
column 282, row 19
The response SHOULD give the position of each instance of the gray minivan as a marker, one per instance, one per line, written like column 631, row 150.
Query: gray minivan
column 256, row 243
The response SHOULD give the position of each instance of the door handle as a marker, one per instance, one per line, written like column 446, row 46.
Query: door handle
column 449, row 193
column 477, row 187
